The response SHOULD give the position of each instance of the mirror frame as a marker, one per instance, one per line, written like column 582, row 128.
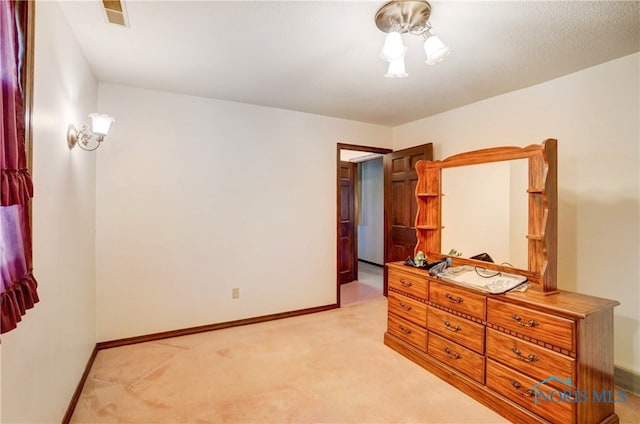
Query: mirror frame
column 542, row 190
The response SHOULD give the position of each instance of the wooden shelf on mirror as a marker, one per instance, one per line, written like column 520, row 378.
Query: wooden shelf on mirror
column 428, row 227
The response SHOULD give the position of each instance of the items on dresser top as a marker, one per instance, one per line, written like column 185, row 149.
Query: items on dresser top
column 475, row 277
column 482, row 279
column 420, row 261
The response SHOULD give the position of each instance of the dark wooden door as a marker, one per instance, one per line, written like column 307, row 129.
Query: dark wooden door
column 400, row 206
column 348, row 259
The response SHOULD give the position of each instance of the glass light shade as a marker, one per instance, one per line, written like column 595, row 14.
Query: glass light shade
column 393, row 48
column 100, row 123
column 396, row 69
column 435, row 50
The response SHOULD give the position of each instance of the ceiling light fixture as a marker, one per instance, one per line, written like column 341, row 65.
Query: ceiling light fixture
column 398, row 17
column 100, row 124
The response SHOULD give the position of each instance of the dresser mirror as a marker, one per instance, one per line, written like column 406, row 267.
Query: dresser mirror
column 484, row 210
column 501, row 201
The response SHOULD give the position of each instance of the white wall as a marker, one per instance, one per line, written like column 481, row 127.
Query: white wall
column 371, row 228
column 595, row 115
column 43, row 359
column 198, row 196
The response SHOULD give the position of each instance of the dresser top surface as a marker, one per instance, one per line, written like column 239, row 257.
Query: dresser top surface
column 568, row 303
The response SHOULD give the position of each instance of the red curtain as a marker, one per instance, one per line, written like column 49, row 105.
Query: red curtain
column 18, row 286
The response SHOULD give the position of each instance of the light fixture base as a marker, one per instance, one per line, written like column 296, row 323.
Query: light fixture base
column 72, row 136
column 404, row 16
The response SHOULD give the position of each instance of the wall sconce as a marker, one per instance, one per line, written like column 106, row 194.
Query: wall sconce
column 100, row 124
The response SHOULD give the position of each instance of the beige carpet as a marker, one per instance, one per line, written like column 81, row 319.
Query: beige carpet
column 358, row 292
column 371, row 274
column 368, row 286
column 330, row 367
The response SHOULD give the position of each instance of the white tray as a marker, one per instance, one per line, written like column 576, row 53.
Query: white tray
column 485, row 280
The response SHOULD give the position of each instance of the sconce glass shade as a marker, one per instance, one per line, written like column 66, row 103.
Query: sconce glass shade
column 435, row 49
column 86, row 139
column 101, row 123
column 393, row 48
column 396, row 69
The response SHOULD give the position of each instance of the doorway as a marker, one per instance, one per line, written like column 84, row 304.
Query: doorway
column 360, row 229
column 399, row 209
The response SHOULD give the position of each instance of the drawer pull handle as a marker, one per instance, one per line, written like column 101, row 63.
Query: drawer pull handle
column 454, row 356
column 520, row 356
column 406, row 283
column 405, row 330
column 448, row 326
column 405, row 307
column 528, row 393
column 531, row 323
column 454, row 299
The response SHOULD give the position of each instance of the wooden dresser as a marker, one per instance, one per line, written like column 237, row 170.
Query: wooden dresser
column 544, row 355
column 498, row 348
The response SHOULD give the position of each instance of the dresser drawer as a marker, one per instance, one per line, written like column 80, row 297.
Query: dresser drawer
column 457, row 357
column 546, row 328
column 522, row 390
column 407, row 331
column 408, row 283
column 460, row 330
column 458, row 299
column 530, row 359
column 408, row 308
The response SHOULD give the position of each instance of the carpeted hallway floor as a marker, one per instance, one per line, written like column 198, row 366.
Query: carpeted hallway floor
column 367, row 287
column 329, row 367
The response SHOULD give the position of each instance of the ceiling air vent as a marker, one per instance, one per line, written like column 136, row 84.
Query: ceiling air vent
column 115, row 11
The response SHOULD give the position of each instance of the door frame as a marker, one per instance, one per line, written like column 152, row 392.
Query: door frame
column 339, row 147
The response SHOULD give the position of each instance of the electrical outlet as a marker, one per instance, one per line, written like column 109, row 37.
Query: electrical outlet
column 235, row 293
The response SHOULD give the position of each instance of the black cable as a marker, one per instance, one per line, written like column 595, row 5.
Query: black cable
column 485, row 270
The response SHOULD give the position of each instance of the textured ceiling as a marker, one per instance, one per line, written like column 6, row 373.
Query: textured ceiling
column 323, row 57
